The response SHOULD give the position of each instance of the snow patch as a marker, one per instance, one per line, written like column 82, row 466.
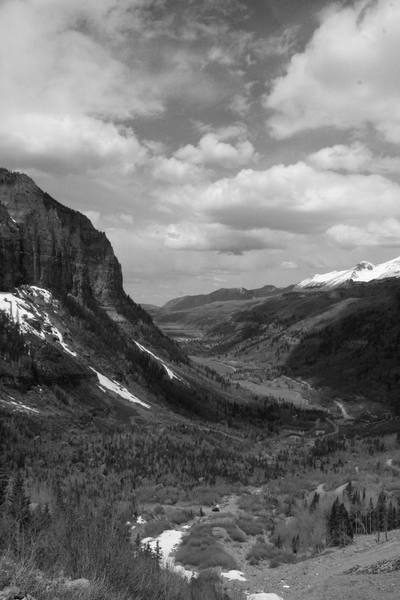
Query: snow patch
column 264, row 596
column 20, row 406
column 234, row 575
column 20, row 307
column 343, row 410
column 21, row 312
column 113, row 386
column 167, row 542
column 56, row 333
column 169, row 371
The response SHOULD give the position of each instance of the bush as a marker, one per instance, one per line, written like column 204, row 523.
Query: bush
column 259, row 551
column 250, row 526
column 200, row 549
column 179, row 516
column 156, row 527
column 262, row 551
column 227, row 523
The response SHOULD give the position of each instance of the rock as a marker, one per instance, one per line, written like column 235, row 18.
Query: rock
column 77, row 584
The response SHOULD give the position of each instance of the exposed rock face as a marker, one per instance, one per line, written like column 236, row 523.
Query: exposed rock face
column 46, row 244
column 49, row 245
column 10, row 251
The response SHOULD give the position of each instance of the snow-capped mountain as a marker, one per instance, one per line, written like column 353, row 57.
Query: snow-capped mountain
column 361, row 273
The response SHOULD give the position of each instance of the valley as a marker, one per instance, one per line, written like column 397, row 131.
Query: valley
column 225, row 446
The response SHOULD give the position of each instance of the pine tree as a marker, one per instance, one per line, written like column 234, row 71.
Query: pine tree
column 19, row 502
column 381, row 515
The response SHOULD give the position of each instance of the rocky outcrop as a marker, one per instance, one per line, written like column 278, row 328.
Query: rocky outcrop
column 10, row 274
column 47, row 244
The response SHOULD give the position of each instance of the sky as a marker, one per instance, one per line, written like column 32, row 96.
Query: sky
column 218, row 143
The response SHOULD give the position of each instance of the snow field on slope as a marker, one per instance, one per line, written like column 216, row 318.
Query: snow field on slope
column 113, row 386
column 22, row 310
column 169, row 371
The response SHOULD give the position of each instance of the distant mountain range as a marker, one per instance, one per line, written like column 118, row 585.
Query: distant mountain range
column 361, row 273
column 221, row 295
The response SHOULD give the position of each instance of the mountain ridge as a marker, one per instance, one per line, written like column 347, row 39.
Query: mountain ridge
column 363, row 272
column 219, row 295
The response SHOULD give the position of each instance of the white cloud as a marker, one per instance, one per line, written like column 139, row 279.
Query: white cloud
column 347, row 76
column 375, row 233
column 174, row 171
column 68, row 142
column 212, row 150
column 64, row 81
column 73, row 71
column 354, row 158
column 297, row 198
column 217, row 237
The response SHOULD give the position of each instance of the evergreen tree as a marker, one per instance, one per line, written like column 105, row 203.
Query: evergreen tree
column 19, row 502
column 381, row 515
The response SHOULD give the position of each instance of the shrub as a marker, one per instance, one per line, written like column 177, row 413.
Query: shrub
column 154, row 528
column 250, row 526
column 259, row 551
column 179, row 516
column 200, row 549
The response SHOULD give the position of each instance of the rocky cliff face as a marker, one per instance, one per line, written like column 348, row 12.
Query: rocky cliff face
column 10, row 251
column 46, row 244
column 49, row 245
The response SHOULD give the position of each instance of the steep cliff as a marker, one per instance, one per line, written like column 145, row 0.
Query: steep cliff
column 59, row 247
column 10, row 251
column 46, row 244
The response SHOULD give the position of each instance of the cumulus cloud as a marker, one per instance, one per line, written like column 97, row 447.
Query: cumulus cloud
column 297, row 198
column 77, row 72
column 174, row 171
column 69, row 143
column 356, row 157
column 375, row 233
column 213, row 149
column 347, row 75
column 217, row 237
column 64, row 81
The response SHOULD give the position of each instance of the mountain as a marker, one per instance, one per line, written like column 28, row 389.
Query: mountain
column 361, row 273
column 72, row 339
column 220, row 295
column 46, row 244
column 344, row 340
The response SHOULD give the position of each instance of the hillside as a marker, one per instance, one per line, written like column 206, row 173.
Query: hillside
column 343, row 340
column 222, row 295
